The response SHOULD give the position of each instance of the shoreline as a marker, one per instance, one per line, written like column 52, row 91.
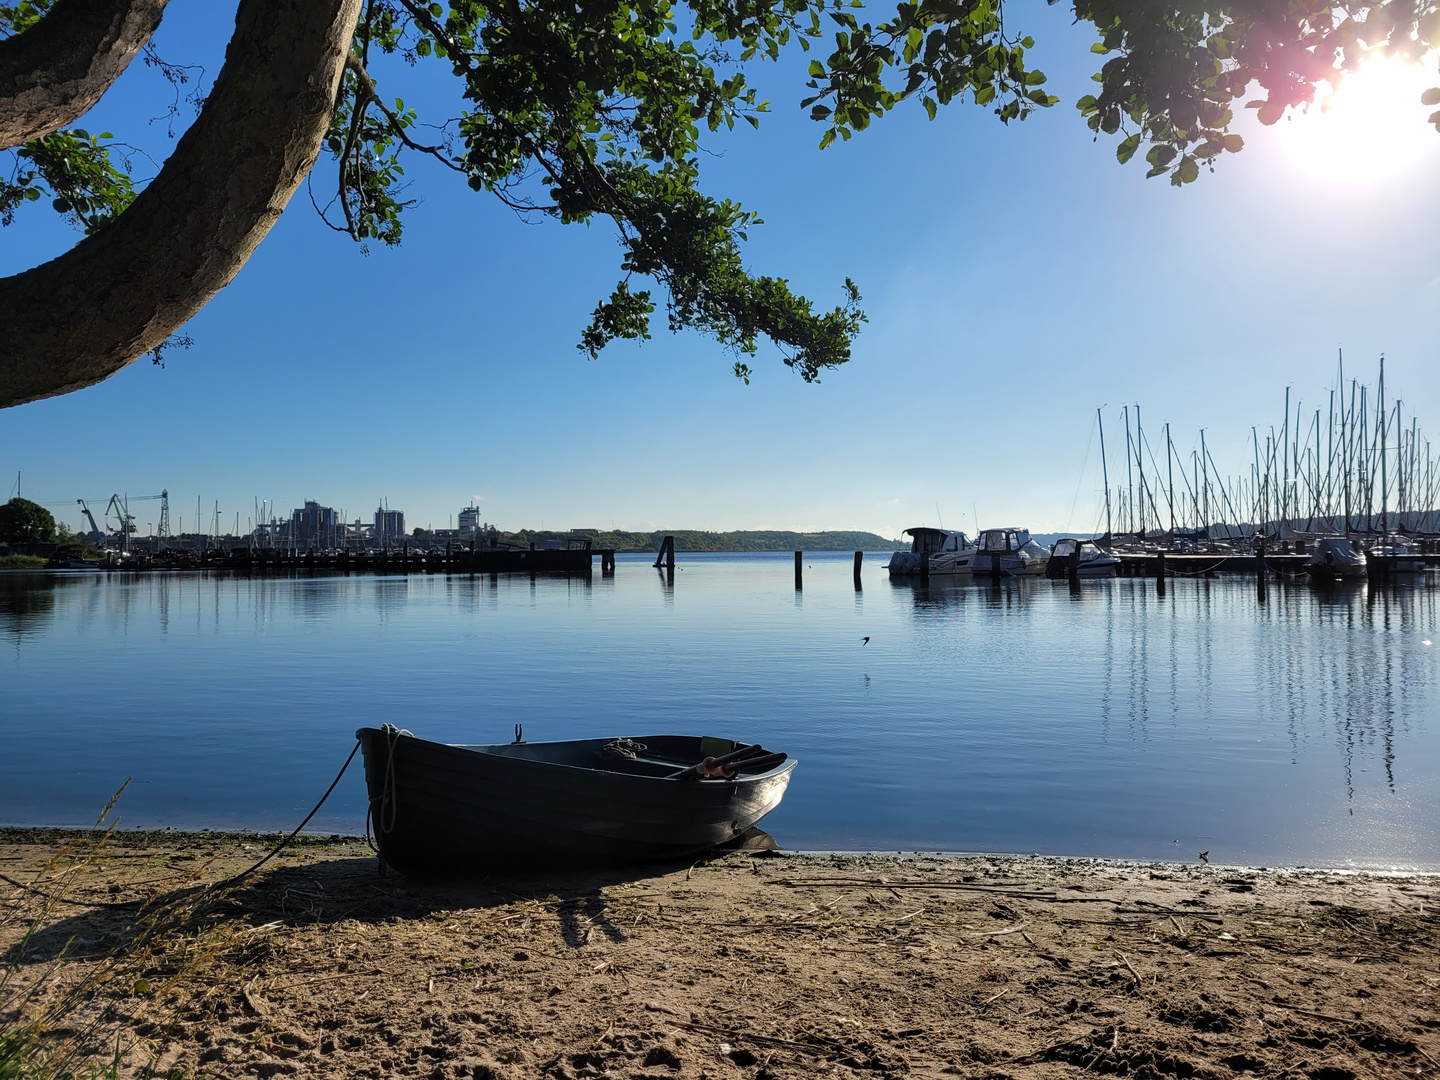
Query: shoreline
column 59, row 834
column 747, row 966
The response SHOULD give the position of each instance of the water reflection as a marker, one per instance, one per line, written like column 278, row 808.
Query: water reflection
column 1012, row 715
column 1345, row 664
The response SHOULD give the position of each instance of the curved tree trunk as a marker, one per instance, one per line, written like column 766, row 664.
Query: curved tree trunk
column 118, row 294
column 56, row 70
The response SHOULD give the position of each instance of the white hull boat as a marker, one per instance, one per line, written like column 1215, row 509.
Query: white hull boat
column 948, row 553
column 1393, row 555
column 1092, row 561
column 1016, row 554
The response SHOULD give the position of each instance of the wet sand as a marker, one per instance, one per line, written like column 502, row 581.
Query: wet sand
column 746, row 966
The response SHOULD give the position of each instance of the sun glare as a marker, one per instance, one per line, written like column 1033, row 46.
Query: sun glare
column 1372, row 128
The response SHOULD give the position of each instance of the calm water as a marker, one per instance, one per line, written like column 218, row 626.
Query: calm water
column 979, row 718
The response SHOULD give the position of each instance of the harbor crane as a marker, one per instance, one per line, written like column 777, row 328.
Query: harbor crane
column 95, row 534
column 119, row 506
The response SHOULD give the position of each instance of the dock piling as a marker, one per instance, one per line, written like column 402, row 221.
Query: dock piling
column 799, row 579
column 859, row 556
column 1160, row 574
column 1260, row 572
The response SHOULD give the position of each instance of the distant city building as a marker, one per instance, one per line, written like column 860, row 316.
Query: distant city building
column 389, row 525
column 313, row 524
column 469, row 520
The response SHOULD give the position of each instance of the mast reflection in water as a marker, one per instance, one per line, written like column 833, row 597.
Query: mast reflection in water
column 1016, row 717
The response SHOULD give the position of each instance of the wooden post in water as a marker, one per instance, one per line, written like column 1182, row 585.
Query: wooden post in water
column 666, row 555
column 799, row 577
column 859, row 555
column 1260, row 571
column 1160, row 574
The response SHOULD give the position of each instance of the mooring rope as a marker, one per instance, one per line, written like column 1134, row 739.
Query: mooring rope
column 237, row 878
column 234, row 879
column 387, row 789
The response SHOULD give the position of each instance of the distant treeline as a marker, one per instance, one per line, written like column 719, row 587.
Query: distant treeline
column 695, row 540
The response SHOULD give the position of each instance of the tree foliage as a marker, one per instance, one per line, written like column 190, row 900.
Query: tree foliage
column 597, row 109
column 26, row 522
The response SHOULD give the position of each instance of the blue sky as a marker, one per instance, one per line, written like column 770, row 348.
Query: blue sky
column 1015, row 278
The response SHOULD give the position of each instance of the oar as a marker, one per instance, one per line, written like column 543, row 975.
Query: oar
column 696, row 771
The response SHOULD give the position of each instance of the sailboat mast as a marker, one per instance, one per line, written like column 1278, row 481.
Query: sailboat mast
column 1170, row 478
column 1380, row 413
column 1104, row 468
column 1140, row 468
column 1129, row 472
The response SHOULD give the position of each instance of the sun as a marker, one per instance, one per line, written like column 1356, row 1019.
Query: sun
column 1369, row 130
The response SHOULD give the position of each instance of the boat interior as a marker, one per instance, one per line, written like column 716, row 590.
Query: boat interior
column 650, row 755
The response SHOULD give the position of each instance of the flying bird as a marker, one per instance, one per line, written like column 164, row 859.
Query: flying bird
column 1204, row 856
column 864, row 641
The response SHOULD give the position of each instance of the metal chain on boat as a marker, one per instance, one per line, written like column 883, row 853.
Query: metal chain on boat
column 627, row 748
column 387, row 790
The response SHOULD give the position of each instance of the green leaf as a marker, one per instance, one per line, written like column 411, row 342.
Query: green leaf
column 1126, row 150
column 1271, row 112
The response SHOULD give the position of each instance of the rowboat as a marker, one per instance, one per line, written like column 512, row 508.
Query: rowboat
column 455, row 810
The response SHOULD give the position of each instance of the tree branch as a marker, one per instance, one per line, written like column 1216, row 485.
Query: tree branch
column 56, row 70
column 367, row 84
column 118, row 294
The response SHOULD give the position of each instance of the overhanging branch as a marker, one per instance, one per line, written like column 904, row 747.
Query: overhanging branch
column 118, row 294
column 56, row 70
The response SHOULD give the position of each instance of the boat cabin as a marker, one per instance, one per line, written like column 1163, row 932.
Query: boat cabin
column 1063, row 549
column 1004, row 539
column 931, row 541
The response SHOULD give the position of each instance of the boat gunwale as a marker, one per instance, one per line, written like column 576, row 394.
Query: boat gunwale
column 487, row 750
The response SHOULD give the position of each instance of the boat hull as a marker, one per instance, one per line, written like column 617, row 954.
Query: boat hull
column 950, row 562
column 1059, row 570
column 1011, row 565
column 460, row 811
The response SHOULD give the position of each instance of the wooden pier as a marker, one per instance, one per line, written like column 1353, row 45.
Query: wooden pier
column 1206, row 565
column 397, row 561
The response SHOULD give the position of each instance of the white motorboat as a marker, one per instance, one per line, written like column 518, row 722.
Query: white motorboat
column 1016, row 554
column 1335, row 558
column 1090, row 559
column 954, row 555
column 1394, row 555
column 949, row 552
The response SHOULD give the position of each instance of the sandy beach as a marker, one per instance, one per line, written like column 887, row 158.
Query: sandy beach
column 749, row 965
